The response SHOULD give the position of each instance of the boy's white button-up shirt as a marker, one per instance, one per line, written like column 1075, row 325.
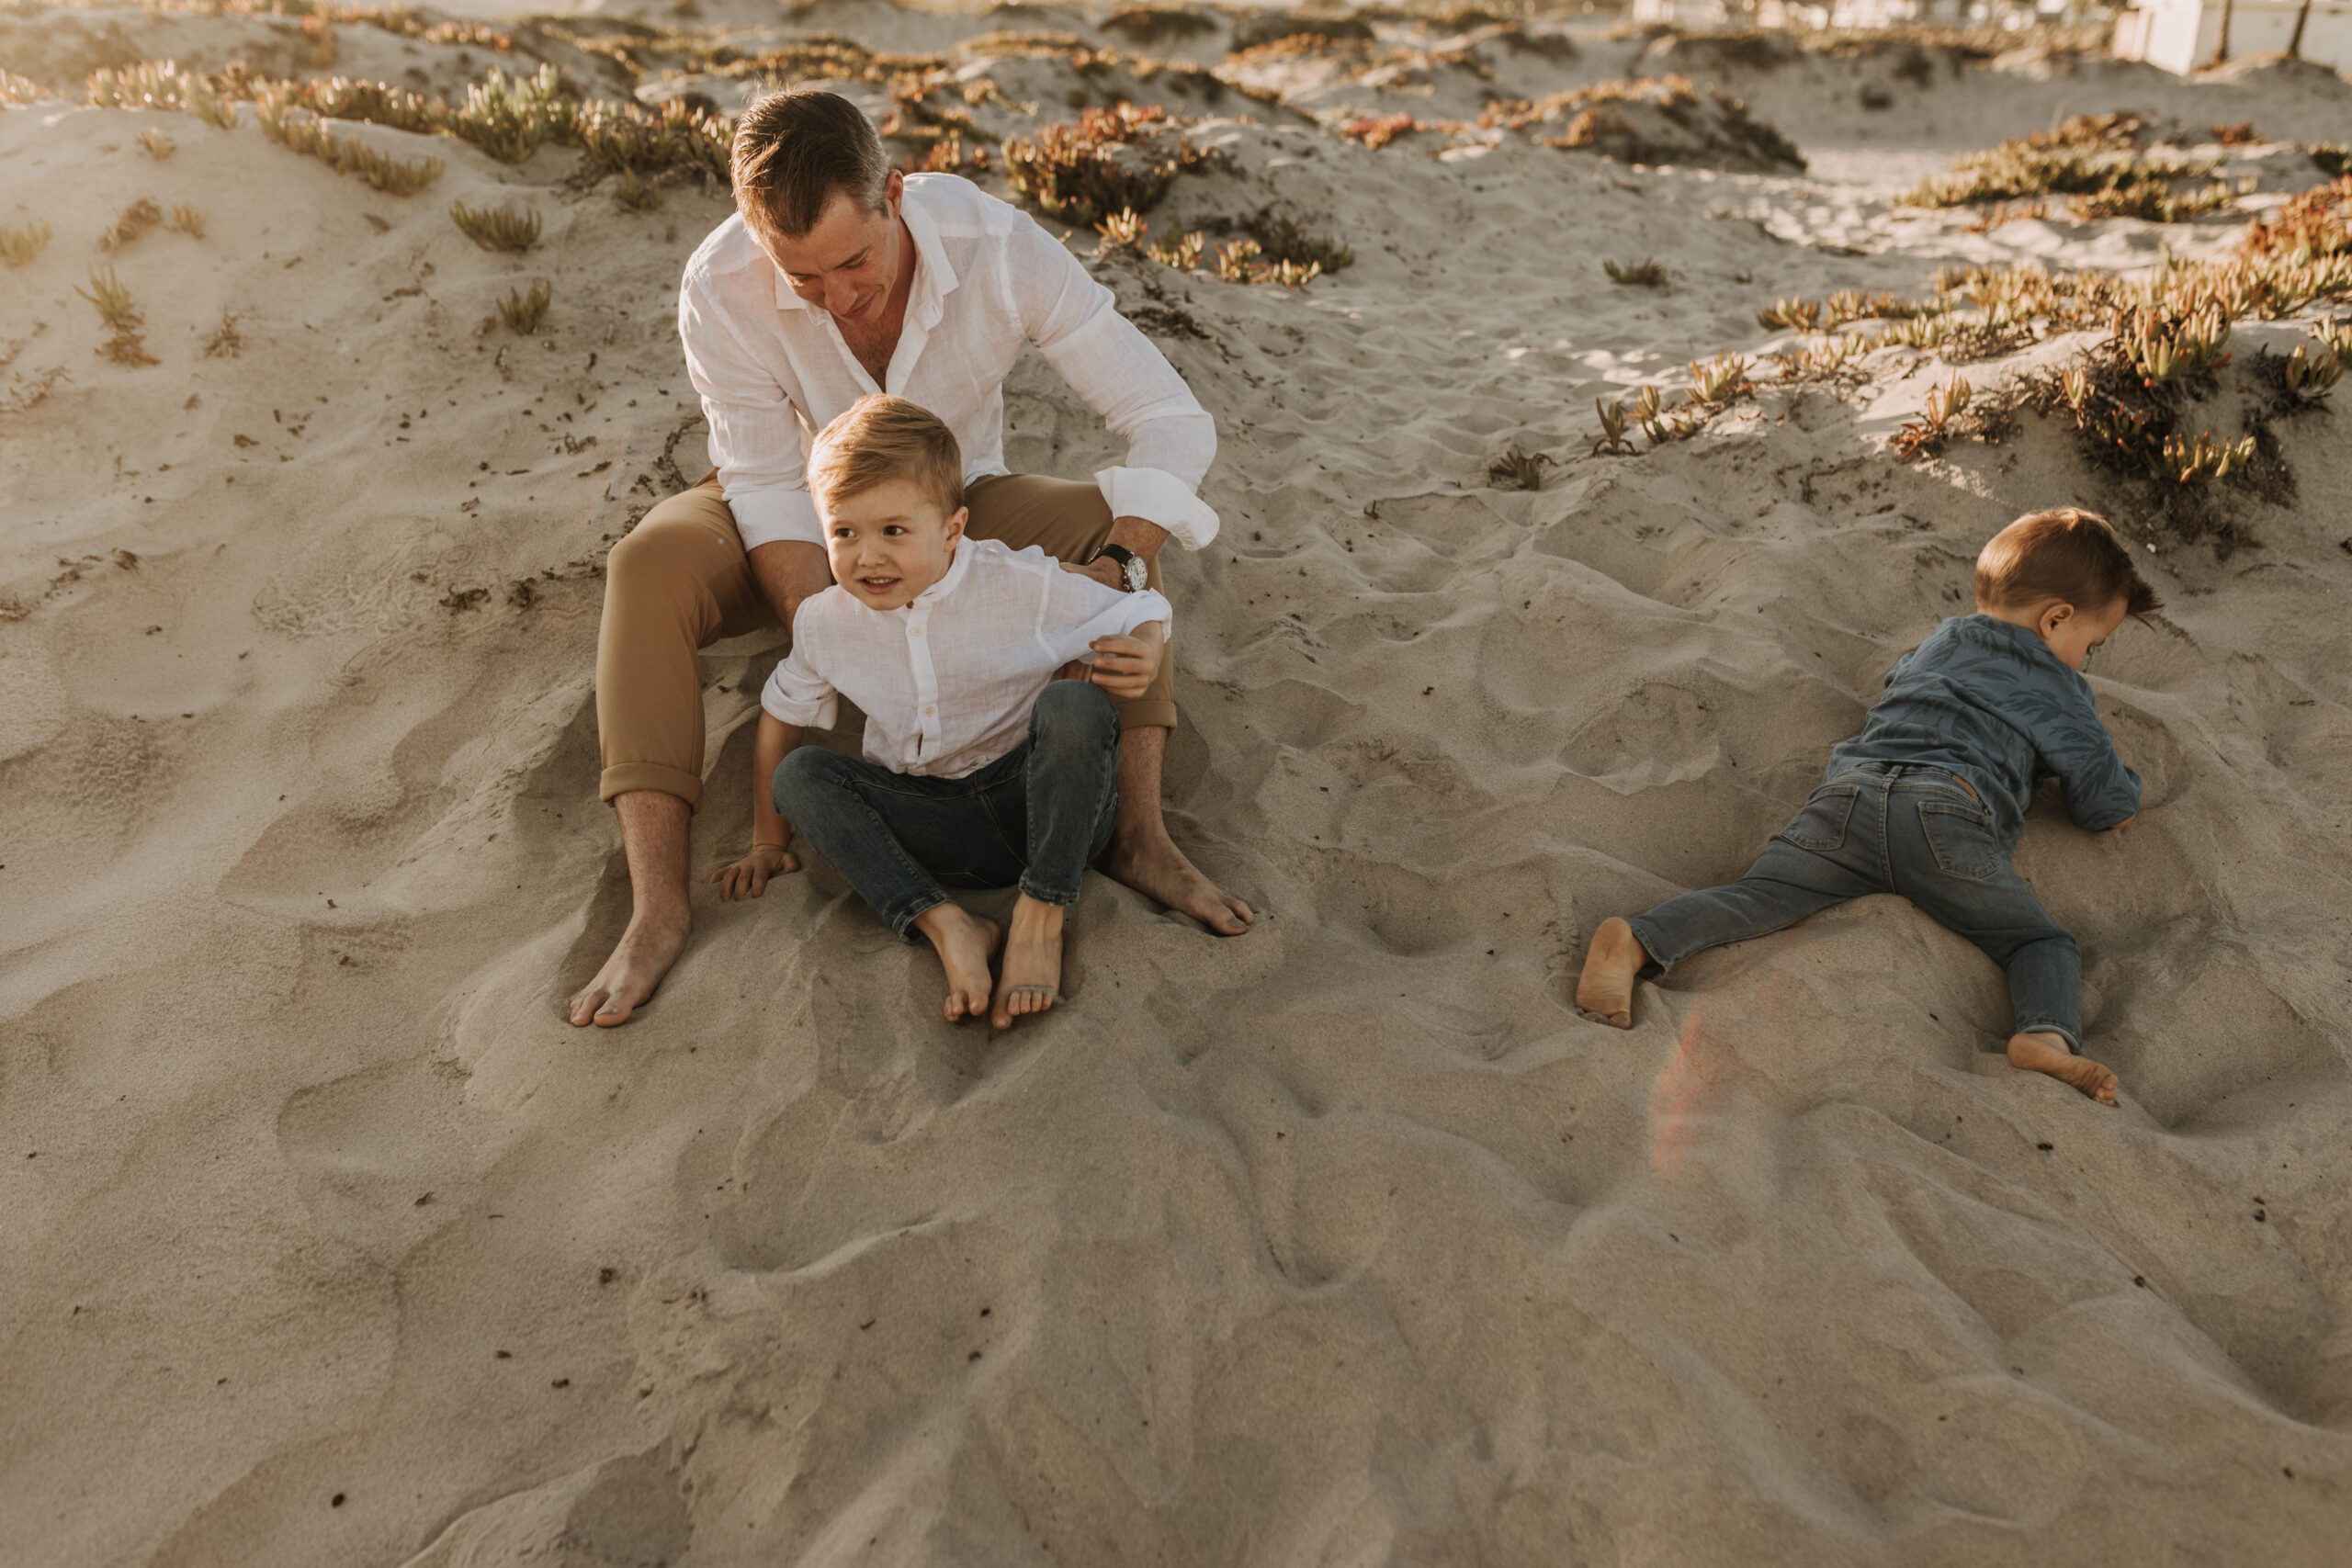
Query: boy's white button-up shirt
column 774, row 370
column 948, row 682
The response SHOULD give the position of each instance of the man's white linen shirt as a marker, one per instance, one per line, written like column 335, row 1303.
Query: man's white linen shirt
column 948, row 682
column 774, row 370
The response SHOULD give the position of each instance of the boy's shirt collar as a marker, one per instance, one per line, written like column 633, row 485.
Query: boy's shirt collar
column 930, row 598
column 2025, row 640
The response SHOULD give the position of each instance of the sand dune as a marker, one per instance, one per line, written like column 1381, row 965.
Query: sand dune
column 1348, row 1242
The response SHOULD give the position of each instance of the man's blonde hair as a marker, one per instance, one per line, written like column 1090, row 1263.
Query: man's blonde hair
column 882, row 438
column 2065, row 554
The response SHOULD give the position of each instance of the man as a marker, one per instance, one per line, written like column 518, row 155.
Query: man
column 839, row 277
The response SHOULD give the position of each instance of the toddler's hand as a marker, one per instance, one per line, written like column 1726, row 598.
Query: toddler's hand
column 748, row 877
column 1124, row 666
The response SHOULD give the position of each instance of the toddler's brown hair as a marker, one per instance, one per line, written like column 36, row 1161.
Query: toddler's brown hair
column 880, row 438
column 2065, row 553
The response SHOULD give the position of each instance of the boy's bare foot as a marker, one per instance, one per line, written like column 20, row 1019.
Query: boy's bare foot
column 965, row 944
column 627, row 982
column 1033, row 963
column 1605, row 989
column 2048, row 1054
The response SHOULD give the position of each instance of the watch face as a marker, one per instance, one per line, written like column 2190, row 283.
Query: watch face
column 1137, row 574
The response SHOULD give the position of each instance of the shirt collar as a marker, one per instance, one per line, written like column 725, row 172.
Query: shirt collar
column 2023, row 640
column 930, row 597
column 934, row 279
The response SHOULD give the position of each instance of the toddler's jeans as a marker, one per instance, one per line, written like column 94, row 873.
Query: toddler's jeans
column 1034, row 817
column 1891, row 827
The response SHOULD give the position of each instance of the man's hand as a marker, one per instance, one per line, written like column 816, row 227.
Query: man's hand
column 1127, row 533
column 748, row 877
column 1124, row 666
column 1101, row 568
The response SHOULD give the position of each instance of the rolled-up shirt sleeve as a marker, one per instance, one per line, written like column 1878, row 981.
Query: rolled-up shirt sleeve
column 1171, row 440
column 1075, row 609
column 754, row 432
column 796, row 693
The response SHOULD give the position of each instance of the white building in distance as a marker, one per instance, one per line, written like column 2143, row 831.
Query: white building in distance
column 2188, row 35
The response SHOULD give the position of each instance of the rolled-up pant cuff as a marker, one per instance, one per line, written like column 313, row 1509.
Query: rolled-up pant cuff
column 1146, row 713
column 902, row 921
column 1647, row 935
column 1030, row 890
column 2072, row 1036
column 619, row 778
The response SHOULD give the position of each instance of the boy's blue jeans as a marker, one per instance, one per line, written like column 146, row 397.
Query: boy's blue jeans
column 1034, row 817
column 1891, row 827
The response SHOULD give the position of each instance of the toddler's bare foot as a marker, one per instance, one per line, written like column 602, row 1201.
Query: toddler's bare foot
column 2048, row 1054
column 965, row 944
column 1605, row 989
column 1033, row 963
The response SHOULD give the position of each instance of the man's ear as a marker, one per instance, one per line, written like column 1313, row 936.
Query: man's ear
column 895, row 192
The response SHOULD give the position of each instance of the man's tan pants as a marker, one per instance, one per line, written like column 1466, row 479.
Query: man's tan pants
column 681, row 582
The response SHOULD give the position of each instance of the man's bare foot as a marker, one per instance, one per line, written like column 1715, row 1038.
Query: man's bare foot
column 653, row 837
column 1143, row 856
column 1033, row 963
column 2048, row 1054
column 1605, row 989
column 1155, row 867
column 627, row 980
column 965, row 944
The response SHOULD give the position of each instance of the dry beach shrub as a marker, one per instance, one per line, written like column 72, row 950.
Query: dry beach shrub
column 508, row 117
column 1651, row 120
column 524, row 311
column 1122, row 158
column 496, row 228
column 2095, row 160
column 20, row 243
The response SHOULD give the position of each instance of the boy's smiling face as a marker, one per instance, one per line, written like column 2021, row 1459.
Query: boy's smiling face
column 888, row 544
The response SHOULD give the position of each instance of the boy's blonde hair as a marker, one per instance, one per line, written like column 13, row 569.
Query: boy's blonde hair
column 2066, row 554
column 882, row 438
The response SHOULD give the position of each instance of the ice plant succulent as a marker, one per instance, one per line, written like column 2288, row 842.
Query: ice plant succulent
column 522, row 312
column 496, row 228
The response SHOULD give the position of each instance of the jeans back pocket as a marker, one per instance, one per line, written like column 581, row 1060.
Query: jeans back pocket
column 1821, row 826
column 1960, row 837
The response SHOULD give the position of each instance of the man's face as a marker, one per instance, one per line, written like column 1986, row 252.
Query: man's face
column 848, row 264
column 888, row 544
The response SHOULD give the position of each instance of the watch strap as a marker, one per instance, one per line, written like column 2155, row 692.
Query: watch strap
column 1128, row 561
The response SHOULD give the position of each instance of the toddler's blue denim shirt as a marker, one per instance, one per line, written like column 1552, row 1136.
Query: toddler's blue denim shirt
column 1989, row 702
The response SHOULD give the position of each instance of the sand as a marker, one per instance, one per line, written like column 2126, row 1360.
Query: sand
column 1344, row 1243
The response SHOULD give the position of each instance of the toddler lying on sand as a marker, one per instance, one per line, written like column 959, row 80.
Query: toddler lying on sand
column 1929, row 799
column 981, row 769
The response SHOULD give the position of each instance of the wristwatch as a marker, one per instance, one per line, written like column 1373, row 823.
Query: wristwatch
column 1133, row 573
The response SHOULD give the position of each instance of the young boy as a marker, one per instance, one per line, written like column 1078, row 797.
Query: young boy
column 981, row 769
column 1929, row 799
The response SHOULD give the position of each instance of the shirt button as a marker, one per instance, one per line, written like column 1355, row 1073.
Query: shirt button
column 917, row 632
column 928, row 712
